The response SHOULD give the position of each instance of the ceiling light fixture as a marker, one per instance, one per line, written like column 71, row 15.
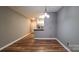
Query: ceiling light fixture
column 45, row 15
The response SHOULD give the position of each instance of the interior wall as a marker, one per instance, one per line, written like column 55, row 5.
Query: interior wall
column 12, row 26
column 49, row 27
column 68, row 25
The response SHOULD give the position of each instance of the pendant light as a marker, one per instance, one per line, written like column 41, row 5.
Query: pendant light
column 45, row 15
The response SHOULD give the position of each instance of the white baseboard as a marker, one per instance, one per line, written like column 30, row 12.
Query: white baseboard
column 45, row 38
column 14, row 41
column 64, row 45
column 57, row 40
column 74, row 47
column 38, row 39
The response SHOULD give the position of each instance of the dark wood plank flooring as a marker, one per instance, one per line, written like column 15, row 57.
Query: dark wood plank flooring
column 29, row 44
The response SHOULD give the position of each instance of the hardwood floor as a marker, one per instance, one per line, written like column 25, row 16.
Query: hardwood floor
column 29, row 44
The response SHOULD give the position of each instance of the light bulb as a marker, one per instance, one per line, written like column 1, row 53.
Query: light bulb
column 46, row 15
column 33, row 18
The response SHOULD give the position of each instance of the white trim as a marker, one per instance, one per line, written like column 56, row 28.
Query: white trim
column 57, row 40
column 14, row 41
column 74, row 47
column 35, row 38
column 64, row 45
column 46, row 38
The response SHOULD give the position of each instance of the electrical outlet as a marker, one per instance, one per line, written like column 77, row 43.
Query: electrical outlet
column 67, row 43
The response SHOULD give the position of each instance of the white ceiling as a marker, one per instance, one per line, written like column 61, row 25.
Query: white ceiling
column 34, row 11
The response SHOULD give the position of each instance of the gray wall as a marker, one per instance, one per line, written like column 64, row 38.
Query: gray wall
column 49, row 27
column 68, row 25
column 12, row 26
